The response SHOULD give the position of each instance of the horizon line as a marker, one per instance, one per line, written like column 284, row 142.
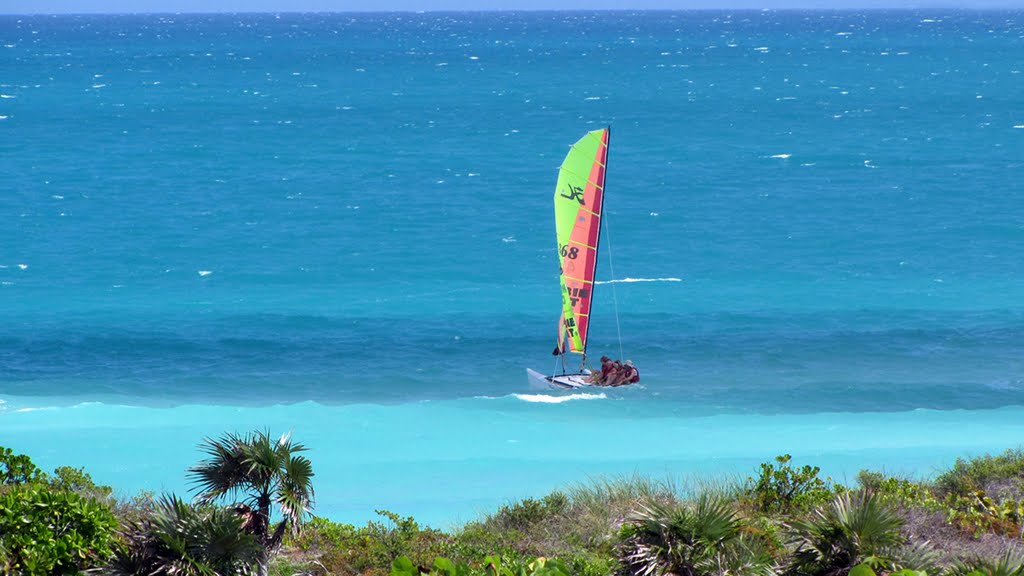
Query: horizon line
column 937, row 6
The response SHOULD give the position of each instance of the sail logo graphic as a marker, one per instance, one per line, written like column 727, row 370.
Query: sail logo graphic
column 570, row 326
column 575, row 193
column 576, row 294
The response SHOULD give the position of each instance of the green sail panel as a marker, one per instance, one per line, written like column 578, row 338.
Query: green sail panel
column 579, row 199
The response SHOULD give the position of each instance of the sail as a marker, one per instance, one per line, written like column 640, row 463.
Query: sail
column 579, row 199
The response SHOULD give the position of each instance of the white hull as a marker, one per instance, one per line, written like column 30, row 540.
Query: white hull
column 562, row 381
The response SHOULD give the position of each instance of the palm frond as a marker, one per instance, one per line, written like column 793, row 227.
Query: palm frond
column 843, row 533
column 917, row 555
column 1009, row 564
column 262, row 461
column 680, row 538
column 223, row 472
column 182, row 539
column 295, row 491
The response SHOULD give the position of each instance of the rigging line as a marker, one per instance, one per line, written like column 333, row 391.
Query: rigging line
column 608, row 241
column 611, row 268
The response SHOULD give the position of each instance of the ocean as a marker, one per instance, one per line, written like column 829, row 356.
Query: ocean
column 341, row 226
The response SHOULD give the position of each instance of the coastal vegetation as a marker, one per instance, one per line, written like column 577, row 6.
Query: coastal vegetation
column 252, row 512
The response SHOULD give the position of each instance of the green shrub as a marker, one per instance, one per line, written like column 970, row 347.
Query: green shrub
column 498, row 566
column 900, row 491
column 782, row 489
column 47, row 531
column 492, row 566
column 287, row 567
column 866, row 570
column 374, row 547
column 17, row 468
column 476, row 540
column 134, row 509
column 972, row 474
column 529, row 512
column 321, row 534
column 978, row 514
column 78, row 480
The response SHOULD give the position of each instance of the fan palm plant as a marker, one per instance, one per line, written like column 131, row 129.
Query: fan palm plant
column 697, row 539
column 1009, row 564
column 181, row 539
column 844, row 533
column 265, row 472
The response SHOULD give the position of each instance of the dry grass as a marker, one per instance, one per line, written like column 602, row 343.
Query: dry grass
column 953, row 544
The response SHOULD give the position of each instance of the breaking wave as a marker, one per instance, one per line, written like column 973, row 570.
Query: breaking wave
column 629, row 280
column 545, row 399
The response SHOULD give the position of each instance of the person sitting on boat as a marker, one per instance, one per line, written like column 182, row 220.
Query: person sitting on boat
column 603, row 377
column 633, row 375
column 626, row 374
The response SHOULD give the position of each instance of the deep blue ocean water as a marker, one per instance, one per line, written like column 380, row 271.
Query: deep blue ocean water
column 341, row 225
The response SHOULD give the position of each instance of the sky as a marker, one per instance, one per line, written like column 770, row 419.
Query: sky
column 164, row 6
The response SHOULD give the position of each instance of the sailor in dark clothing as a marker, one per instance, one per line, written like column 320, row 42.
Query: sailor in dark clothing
column 632, row 374
column 625, row 374
column 603, row 377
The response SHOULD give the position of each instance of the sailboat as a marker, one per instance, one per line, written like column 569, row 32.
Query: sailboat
column 579, row 203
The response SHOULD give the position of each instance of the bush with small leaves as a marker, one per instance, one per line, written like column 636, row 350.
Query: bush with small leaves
column 46, row 532
column 972, row 474
column 782, row 489
column 17, row 468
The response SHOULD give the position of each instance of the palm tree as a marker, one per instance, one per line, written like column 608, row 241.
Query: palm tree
column 850, row 530
column 266, row 472
column 1011, row 563
column 182, row 539
column 689, row 540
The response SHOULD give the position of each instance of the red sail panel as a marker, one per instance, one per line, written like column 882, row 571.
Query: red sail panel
column 579, row 253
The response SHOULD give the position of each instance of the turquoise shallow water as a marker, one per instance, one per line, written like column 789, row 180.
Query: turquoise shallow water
column 450, row 461
column 341, row 225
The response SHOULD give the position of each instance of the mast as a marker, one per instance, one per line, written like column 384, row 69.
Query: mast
column 597, row 244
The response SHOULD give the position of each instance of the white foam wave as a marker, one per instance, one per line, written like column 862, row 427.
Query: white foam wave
column 782, row 156
column 205, row 272
column 545, row 399
column 1019, row 126
column 23, row 266
column 5, row 96
column 631, row 280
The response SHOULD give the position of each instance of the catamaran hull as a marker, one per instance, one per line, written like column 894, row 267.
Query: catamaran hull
column 561, row 381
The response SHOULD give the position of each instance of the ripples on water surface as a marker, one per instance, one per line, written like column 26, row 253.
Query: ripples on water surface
column 342, row 224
